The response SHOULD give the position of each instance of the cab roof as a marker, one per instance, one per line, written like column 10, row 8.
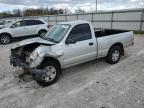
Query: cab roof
column 74, row 22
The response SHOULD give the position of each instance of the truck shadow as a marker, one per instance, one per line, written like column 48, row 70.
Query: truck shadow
column 75, row 74
column 69, row 72
column 87, row 67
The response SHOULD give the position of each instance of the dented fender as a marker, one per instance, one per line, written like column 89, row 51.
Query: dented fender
column 43, row 52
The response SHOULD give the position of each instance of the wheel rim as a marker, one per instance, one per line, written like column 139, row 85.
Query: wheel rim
column 115, row 55
column 42, row 34
column 5, row 39
column 50, row 74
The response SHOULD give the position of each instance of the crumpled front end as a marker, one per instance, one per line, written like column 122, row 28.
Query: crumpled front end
column 20, row 57
column 29, row 56
column 37, row 74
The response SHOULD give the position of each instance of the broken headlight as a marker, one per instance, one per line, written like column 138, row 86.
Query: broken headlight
column 34, row 55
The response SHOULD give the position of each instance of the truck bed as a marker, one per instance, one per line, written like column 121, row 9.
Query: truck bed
column 107, row 32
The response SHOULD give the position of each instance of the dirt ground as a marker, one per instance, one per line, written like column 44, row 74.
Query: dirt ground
column 95, row 84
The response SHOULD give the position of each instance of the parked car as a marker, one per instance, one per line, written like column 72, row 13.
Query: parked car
column 68, row 44
column 2, row 23
column 20, row 28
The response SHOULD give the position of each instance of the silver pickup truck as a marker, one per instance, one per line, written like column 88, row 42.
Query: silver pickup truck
column 68, row 44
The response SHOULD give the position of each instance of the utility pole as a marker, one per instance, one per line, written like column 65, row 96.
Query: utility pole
column 143, row 4
column 96, row 5
column 65, row 11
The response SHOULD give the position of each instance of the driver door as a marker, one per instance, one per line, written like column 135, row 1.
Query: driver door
column 19, row 29
column 80, row 46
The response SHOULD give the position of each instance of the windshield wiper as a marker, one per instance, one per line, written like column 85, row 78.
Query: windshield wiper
column 50, row 39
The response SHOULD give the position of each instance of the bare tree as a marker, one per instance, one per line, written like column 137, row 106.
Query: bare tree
column 31, row 12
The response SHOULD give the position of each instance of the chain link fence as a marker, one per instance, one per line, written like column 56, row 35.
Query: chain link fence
column 125, row 19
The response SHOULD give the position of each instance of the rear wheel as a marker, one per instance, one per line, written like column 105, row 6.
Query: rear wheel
column 52, row 73
column 5, row 39
column 42, row 33
column 114, row 55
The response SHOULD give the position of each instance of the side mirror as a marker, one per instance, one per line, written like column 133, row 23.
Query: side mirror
column 70, row 41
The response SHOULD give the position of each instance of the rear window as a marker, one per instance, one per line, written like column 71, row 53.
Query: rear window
column 38, row 22
column 33, row 22
column 30, row 22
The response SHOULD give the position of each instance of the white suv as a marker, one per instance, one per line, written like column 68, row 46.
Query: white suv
column 22, row 28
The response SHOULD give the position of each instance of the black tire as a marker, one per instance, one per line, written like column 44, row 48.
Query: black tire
column 5, row 39
column 110, row 58
column 42, row 33
column 57, row 68
column 26, row 72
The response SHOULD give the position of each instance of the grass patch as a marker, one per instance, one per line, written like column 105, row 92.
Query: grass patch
column 138, row 32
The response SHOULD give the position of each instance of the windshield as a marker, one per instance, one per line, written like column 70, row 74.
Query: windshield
column 57, row 33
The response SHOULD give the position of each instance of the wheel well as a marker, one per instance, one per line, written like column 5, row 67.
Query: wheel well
column 42, row 30
column 120, row 45
column 52, row 59
column 6, row 34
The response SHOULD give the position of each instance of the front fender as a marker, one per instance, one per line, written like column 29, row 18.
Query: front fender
column 6, row 31
column 36, row 62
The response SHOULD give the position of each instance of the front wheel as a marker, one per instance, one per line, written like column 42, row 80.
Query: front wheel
column 114, row 55
column 5, row 39
column 52, row 73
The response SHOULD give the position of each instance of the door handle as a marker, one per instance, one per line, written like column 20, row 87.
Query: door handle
column 91, row 43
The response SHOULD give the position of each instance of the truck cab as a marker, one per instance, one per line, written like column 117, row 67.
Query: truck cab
column 80, row 44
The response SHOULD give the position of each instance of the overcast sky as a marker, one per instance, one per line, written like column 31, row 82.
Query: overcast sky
column 88, row 5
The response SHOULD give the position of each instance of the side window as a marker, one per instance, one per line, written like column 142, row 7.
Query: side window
column 38, row 22
column 80, row 32
column 19, row 24
column 30, row 22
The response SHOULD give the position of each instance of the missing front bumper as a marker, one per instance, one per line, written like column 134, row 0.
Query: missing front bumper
column 37, row 74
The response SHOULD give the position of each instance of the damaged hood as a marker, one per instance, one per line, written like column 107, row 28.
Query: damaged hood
column 31, row 41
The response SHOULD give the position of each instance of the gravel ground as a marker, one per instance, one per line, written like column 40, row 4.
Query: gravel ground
column 94, row 84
